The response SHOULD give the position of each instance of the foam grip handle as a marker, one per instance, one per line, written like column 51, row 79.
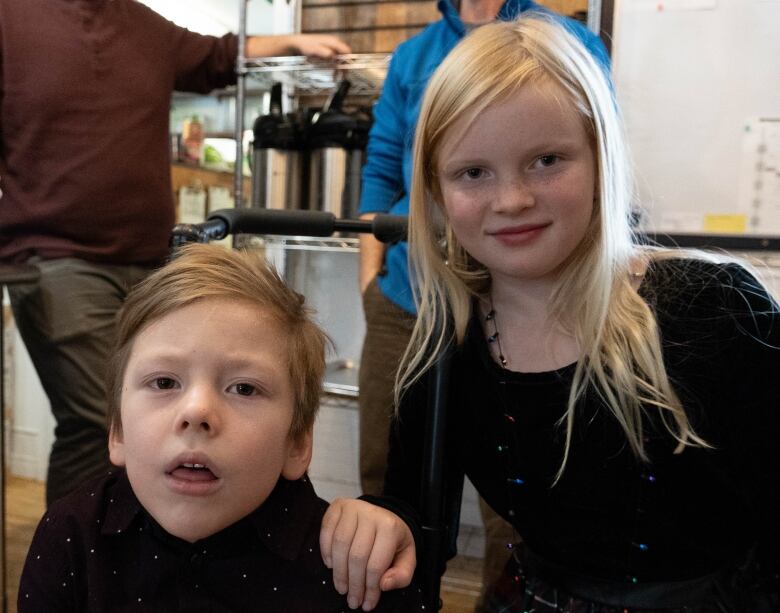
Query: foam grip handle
column 389, row 228
column 276, row 221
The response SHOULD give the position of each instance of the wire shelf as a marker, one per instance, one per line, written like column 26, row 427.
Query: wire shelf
column 338, row 244
column 301, row 75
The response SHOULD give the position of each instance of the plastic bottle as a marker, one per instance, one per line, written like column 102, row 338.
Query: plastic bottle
column 192, row 139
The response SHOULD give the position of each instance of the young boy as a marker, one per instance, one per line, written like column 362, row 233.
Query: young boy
column 213, row 391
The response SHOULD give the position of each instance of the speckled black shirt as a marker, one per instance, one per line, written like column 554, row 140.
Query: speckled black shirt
column 97, row 550
column 612, row 517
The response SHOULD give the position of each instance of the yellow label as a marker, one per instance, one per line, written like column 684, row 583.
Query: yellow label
column 725, row 224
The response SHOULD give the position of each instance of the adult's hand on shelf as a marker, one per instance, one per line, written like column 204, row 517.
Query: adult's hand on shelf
column 311, row 45
column 319, row 45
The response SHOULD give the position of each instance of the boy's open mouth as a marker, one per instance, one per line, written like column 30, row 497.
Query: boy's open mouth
column 193, row 472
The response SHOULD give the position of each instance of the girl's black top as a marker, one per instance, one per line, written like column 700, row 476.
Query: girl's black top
column 612, row 516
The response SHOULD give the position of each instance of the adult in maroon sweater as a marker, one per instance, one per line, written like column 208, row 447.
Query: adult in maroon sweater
column 85, row 92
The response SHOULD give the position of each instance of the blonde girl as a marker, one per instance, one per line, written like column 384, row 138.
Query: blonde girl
column 614, row 402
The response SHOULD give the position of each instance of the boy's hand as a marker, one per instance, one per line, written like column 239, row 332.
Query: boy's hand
column 370, row 550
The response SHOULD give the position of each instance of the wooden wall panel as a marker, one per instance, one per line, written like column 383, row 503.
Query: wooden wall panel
column 566, row 7
column 369, row 26
column 378, row 26
column 367, row 16
column 386, row 41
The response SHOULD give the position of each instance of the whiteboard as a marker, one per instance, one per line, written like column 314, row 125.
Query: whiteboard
column 699, row 86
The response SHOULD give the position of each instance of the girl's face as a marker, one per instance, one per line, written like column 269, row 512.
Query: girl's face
column 518, row 184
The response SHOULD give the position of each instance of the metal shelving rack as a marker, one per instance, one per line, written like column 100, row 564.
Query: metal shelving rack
column 335, row 244
column 366, row 71
column 301, row 76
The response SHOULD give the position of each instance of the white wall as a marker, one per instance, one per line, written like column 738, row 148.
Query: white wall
column 698, row 84
column 217, row 17
column 29, row 425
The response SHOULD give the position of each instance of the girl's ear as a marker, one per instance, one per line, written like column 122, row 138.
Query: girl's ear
column 116, row 446
column 298, row 457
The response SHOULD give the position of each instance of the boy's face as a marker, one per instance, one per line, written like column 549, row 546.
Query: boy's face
column 206, row 410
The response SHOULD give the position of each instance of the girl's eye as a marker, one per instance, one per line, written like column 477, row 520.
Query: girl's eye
column 548, row 160
column 244, row 389
column 473, row 173
column 164, row 383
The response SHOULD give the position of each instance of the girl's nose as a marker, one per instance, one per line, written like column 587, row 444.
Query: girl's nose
column 513, row 196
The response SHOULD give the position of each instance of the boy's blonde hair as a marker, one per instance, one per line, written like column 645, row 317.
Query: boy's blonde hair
column 616, row 330
column 200, row 272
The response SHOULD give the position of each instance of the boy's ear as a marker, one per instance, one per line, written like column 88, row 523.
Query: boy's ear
column 116, row 447
column 298, row 457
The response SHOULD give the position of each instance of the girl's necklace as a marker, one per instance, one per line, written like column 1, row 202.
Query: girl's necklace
column 509, row 448
column 495, row 338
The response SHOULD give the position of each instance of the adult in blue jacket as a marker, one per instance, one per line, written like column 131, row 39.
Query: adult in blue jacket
column 388, row 301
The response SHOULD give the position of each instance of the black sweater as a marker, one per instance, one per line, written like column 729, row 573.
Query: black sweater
column 612, row 516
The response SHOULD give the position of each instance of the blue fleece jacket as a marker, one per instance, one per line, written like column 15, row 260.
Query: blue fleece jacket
column 387, row 174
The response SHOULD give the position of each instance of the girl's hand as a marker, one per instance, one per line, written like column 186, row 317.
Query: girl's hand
column 370, row 550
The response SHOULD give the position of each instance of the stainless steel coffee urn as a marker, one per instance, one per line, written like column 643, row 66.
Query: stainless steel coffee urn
column 336, row 142
column 278, row 158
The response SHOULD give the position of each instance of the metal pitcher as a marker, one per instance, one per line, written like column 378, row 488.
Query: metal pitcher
column 278, row 158
column 336, row 144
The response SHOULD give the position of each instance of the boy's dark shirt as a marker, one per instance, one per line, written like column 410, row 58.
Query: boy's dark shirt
column 98, row 550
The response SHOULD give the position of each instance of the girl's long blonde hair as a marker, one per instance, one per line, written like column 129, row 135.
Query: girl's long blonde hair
column 621, row 356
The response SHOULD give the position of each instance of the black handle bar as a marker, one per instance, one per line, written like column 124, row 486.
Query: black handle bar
column 386, row 228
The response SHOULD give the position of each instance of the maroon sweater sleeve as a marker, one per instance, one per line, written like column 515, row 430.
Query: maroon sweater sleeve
column 203, row 63
column 85, row 95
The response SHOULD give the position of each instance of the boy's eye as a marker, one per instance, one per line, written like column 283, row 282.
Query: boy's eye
column 244, row 389
column 164, row 383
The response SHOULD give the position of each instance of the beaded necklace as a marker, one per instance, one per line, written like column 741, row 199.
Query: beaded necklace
column 495, row 337
column 513, row 481
column 505, row 449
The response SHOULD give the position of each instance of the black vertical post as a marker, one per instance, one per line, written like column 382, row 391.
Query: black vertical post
column 606, row 23
column 433, row 495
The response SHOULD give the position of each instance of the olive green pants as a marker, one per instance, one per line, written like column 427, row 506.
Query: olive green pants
column 67, row 323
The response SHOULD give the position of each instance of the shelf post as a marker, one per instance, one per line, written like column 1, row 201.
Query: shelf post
column 238, row 185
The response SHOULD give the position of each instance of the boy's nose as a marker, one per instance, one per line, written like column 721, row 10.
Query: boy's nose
column 203, row 424
column 198, row 413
